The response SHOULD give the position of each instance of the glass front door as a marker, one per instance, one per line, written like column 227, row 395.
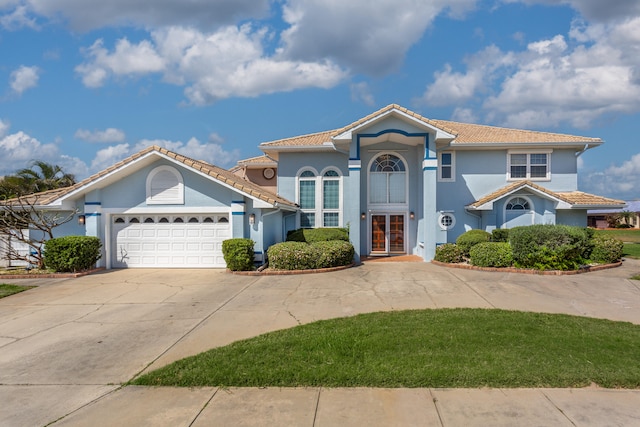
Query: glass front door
column 387, row 234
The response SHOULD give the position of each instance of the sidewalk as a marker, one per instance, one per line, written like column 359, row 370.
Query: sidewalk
column 66, row 346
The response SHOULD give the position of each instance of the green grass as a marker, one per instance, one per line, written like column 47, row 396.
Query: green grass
column 631, row 250
column 7, row 289
column 628, row 235
column 423, row 348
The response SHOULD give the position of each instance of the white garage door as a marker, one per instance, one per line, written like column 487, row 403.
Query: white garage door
column 165, row 241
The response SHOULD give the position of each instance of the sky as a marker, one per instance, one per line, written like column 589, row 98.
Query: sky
column 86, row 83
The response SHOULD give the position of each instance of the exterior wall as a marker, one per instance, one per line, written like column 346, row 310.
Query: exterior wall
column 256, row 176
column 481, row 172
column 576, row 217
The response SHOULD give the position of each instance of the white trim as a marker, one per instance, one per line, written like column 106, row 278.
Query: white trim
column 450, row 214
column 321, row 180
column 388, row 206
column 177, row 199
column 452, row 166
column 528, row 153
column 317, row 196
column 429, row 163
column 531, row 210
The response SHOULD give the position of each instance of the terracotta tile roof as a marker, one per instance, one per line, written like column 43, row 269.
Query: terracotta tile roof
column 259, row 160
column 310, row 140
column 471, row 133
column 215, row 172
column 574, row 198
column 464, row 132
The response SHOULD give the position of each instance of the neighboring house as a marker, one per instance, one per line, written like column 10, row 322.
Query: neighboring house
column 401, row 184
column 600, row 218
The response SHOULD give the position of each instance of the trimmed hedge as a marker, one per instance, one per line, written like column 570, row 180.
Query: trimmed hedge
column 72, row 253
column 310, row 235
column 449, row 253
column 307, row 256
column 471, row 238
column 491, row 254
column 238, row 254
column 550, row 247
column 606, row 250
column 500, row 235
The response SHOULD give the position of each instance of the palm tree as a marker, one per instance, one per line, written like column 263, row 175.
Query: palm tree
column 42, row 176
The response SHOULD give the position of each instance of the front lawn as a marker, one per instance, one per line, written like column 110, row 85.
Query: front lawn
column 423, row 348
column 7, row 289
column 631, row 250
column 627, row 235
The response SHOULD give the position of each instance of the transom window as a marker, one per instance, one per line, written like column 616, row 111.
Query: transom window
column 518, row 204
column 387, row 180
column 319, row 198
column 533, row 166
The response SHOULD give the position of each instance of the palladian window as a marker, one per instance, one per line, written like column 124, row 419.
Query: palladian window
column 387, row 180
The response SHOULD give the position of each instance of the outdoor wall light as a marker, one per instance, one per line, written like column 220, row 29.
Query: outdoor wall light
column 412, row 215
column 81, row 219
column 252, row 219
column 363, row 216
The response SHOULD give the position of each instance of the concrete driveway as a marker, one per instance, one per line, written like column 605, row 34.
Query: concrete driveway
column 66, row 346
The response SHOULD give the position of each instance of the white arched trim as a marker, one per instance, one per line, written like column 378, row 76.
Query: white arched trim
column 165, row 186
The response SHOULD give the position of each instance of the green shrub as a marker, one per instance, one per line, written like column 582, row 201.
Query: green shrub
column 471, row 238
column 307, row 256
column 449, row 253
column 550, row 247
column 292, row 256
column 310, row 235
column 500, row 235
column 72, row 253
column 606, row 250
column 334, row 253
column 491, row 254
column 238, row 254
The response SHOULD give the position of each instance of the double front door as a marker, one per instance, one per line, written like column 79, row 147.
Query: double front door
column 388, row 233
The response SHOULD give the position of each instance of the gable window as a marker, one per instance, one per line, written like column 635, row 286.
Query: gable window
column 331, row 199
column 387, row 180
column 518, row 211
column 307, row 199
column 446, row 170
column 529, row 165
column 165, row 186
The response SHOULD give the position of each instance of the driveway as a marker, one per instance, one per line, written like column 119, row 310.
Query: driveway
column 67, row 345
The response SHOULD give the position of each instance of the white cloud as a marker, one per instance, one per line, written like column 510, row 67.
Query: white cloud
column 228, row 62
column 619, row 181
column 17, row 19
column 108, row 135
column 85, row 15
column 24, row 78
column 368, row 36
column 19, row 150
column 109, row 156
column 361, row 92
column 126, row 59
column 552, row 81
column 212, row 153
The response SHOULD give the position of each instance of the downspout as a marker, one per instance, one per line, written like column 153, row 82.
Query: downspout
column 479, row 217
column 265, row 263
column 579, row 153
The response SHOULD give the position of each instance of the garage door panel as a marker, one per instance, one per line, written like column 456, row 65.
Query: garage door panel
column 165, row 244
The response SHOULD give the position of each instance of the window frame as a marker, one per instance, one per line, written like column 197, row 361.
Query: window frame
column 388, row 203
column 318, row 211
column 528, row 165
column 441, row 166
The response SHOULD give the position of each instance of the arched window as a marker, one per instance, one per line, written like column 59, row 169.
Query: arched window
column 518, row 211
column 518, row 204
column 331, row 198
column 163, row 220
column 208, row 219
column 307, row 198
column 387, row 180
column 178, row 220
column 165, row 186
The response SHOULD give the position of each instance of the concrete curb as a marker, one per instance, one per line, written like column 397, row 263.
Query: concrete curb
column 268, row 272
column 50, row 275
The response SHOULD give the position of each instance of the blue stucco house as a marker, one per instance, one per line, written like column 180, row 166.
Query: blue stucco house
column 400, row 182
